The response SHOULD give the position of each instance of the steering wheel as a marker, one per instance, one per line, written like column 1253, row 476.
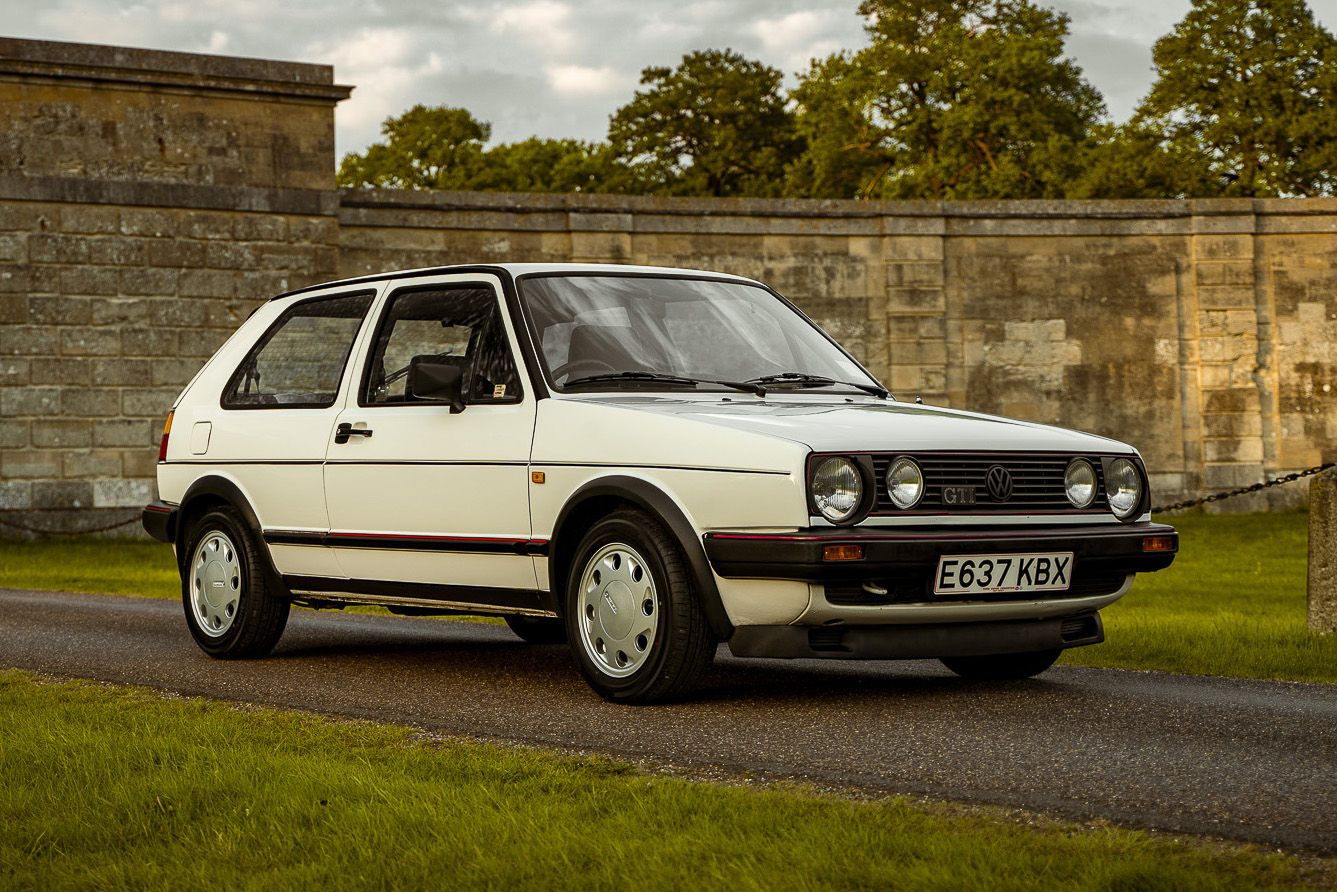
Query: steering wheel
column 585, row 366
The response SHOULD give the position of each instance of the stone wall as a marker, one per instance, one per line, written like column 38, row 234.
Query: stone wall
column 148, row 201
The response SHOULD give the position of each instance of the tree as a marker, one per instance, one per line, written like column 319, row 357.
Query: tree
column 1136, row 161
column 545, row 165
column 425, row 148
column 1247, row 91
column 952, row 100
column 715, row 125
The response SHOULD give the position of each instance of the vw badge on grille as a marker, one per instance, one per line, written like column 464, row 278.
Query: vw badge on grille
column 999, row 482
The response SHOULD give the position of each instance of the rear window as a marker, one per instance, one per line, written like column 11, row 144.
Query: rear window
column 300, row 361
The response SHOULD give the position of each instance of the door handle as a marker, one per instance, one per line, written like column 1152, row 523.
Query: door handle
column 346, row 430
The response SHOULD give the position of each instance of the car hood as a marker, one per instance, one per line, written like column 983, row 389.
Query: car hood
column 869, row 425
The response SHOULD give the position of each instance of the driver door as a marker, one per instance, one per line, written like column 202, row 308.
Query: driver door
column 426, row 502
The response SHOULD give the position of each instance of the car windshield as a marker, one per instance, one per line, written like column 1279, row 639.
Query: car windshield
column 652, row 332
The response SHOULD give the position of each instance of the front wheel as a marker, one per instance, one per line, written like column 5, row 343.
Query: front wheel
column 1001, row 667
column 231, row 610
column 636, row 627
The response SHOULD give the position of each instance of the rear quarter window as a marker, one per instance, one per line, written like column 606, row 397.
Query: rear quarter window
column 300, row 360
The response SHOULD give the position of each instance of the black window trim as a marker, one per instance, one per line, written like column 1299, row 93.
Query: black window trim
column 412, row 286
column 273, row 329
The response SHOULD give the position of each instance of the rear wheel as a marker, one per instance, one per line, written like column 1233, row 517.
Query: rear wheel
column 230, row 609
column 538, row 629
column 1003, row 666
column 636, row 627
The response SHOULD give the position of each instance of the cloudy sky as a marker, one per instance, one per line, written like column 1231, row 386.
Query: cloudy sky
column 555, row 68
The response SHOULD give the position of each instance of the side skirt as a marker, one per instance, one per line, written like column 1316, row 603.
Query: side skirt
column 459, row 598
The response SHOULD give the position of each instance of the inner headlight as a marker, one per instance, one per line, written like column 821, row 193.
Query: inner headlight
column 905, row 483
column 1123, row 488
column 1079, row 482
column 837, row 488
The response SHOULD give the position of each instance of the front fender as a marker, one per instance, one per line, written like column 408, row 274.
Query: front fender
column 591, row 500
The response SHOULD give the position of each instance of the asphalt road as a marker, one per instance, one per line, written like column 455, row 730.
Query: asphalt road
column 1246, row 760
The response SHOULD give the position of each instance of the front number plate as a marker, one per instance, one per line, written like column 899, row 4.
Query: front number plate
column 967, row 573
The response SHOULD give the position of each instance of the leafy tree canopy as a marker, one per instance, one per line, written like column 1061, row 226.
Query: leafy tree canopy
column 425, row 148
column 715, row 125
column 545, row 165
column 1246, row 100
column 952, row 100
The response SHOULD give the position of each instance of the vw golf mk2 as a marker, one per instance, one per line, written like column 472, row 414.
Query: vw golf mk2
column 642, row 462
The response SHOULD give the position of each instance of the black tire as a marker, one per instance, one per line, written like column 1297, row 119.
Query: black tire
column 634, row 622
column 538, row 629
column 1001, row 667
column 232, row 611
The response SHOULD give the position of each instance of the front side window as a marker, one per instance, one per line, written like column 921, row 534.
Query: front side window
column 605, row 332
column 300, row 361
column 459, row 326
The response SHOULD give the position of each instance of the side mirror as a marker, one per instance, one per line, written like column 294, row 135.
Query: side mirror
column 442, row 381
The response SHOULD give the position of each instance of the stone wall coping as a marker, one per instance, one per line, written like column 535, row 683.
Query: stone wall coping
column 139, row 193
column 582, row 203
column 53, row 60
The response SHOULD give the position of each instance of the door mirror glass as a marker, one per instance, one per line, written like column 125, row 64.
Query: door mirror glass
column 437, row 378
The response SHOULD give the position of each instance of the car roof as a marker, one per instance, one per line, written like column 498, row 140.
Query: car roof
column 516, row 270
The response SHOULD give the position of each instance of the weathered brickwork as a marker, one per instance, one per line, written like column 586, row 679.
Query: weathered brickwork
column 149, row 201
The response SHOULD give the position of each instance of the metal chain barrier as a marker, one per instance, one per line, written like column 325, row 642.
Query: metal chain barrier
column 1216, row 497
column 14, row 525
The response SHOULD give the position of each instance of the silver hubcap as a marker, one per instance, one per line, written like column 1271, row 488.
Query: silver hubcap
column 215, row 584
column 619, row 613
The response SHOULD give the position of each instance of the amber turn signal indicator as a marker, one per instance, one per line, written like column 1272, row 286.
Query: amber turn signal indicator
column 166, row 429
column 537, row 476
column 1158, row 543
column 842, row 553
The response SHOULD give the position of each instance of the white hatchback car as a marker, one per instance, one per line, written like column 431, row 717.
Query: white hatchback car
column 644, row 462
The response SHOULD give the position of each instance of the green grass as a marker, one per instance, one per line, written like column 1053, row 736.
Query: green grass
column 109, row 566
column 1232, row 604
column 118, row 789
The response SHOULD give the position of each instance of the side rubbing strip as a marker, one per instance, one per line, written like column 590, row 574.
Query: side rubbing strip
column 391, row 542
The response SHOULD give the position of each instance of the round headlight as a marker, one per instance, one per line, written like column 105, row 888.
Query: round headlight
column 905, row 483
column 1079, row 482
column 837, row 488
column 1123, row 487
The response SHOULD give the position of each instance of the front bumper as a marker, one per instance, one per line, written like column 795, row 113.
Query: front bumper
column 1098, row 550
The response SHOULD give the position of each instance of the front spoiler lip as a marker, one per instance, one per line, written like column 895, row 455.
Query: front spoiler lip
column 798, row 555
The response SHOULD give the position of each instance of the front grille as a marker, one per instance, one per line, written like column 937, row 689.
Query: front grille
column 1037, row 484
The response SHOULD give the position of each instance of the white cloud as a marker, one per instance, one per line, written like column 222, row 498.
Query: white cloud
column 541, row 23
column 569, row 80
column 218, row 42
column 792, row 41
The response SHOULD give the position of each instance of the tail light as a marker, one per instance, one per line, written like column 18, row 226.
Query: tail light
column 166, row 429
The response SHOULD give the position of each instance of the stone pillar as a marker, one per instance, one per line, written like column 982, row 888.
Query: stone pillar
column 1323, row 553
column 149, row 201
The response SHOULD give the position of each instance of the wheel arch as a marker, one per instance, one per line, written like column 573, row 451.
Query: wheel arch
column 598, row 498
column 213, row 491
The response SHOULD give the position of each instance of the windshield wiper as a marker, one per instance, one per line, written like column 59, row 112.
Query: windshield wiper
column 802, row 379
column 662, row 378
